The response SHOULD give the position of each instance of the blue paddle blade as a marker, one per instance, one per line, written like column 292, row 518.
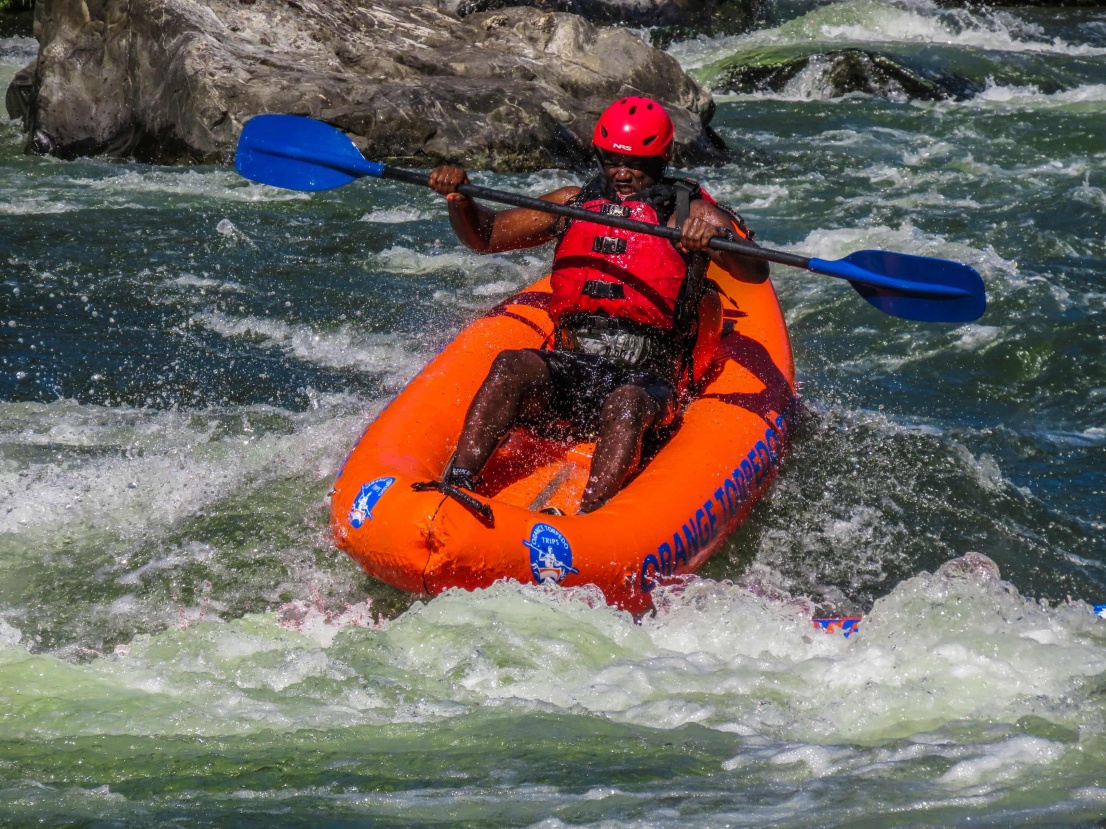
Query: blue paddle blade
column 299, row 154
column 911, row 287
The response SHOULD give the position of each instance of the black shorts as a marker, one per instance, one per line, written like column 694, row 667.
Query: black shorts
column 582, row 382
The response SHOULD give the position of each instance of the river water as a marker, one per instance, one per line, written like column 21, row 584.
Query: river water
column 186, row 357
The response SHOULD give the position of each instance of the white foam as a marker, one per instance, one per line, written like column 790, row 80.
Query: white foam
column 940, row 652
column 974, row 337
column 39, row 204
column 394, row 356
column 153, row 467
column 750, row 196
column 920, row 347
column 539, row 181
column 1091, row 436
column 873, row 22
column 322, row 625
column 120, row 187
column 1031, row 97
column 17, row 52
column 10, row 636
column 499, row 288
column 231, row 232
column 208, row 182
column 403, row 260
column 819, row 760
column 208, row 284
column 1004, row 761
column 399, row 215
column 1093, row 196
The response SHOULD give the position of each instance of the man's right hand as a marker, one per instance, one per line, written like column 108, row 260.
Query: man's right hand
column 488, row 231
column 447, row 179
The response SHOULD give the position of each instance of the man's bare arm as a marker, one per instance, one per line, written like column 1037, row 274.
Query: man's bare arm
column 490, row 231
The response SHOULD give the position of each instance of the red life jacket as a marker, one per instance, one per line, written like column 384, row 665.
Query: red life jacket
column 600, row 269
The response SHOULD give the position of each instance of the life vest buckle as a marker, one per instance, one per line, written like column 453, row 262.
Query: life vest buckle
column 598, row 289
column 609, row 245
column 620, row 210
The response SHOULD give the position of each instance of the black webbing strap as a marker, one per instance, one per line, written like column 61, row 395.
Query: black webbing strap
column 683, row 202
column 482, row 510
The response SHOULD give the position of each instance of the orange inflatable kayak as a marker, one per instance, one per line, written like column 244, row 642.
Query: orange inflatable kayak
column 668, row 519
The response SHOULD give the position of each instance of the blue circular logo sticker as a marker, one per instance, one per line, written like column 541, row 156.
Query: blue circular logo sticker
column 550, row 554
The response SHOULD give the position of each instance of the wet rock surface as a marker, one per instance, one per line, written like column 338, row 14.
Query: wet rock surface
column 838, row 73
column 169, row 80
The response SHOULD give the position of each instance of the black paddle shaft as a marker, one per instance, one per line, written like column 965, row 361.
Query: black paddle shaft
column 670, row 233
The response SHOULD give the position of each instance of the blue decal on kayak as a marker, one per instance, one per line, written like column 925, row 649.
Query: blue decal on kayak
column 847, row 625
column 550, row 554
column 366, row 499
column 730, row 497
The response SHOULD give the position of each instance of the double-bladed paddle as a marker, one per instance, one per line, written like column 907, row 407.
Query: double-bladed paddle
column 300, row 153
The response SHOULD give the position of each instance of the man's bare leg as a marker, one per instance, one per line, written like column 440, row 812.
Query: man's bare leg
column 628, row 413
column 518, row 383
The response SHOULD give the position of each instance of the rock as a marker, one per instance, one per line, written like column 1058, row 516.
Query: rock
column 837, row 73
column 20, row 97
column 679, row 18
column 167, row 80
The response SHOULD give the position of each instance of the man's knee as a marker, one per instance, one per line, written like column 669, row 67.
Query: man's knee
column 630, row 406
column 506, row 364
column 516, row 375
column 513, row 366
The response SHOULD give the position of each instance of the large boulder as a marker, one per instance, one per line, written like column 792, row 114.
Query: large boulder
column 167, row 80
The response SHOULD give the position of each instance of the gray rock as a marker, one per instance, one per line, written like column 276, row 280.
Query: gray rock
column 837, row 73
column 167, row 80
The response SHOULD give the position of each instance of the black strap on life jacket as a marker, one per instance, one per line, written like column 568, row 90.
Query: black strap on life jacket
column 686, row 324
column 684, row 189
column 663, row 196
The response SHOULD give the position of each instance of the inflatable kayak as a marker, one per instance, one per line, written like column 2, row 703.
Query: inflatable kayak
column 389, row 511
column 666, row 521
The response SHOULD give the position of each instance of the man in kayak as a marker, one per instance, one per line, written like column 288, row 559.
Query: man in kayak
column 624, row 304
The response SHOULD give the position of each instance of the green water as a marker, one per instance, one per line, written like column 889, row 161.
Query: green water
column 185, row 359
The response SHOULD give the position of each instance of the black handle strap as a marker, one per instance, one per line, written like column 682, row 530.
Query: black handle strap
column 474, row 505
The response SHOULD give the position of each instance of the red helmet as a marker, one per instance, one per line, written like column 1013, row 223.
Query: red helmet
column 635, row 126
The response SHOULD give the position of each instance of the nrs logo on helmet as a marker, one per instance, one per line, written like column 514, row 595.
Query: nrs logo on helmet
column 635, row 126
